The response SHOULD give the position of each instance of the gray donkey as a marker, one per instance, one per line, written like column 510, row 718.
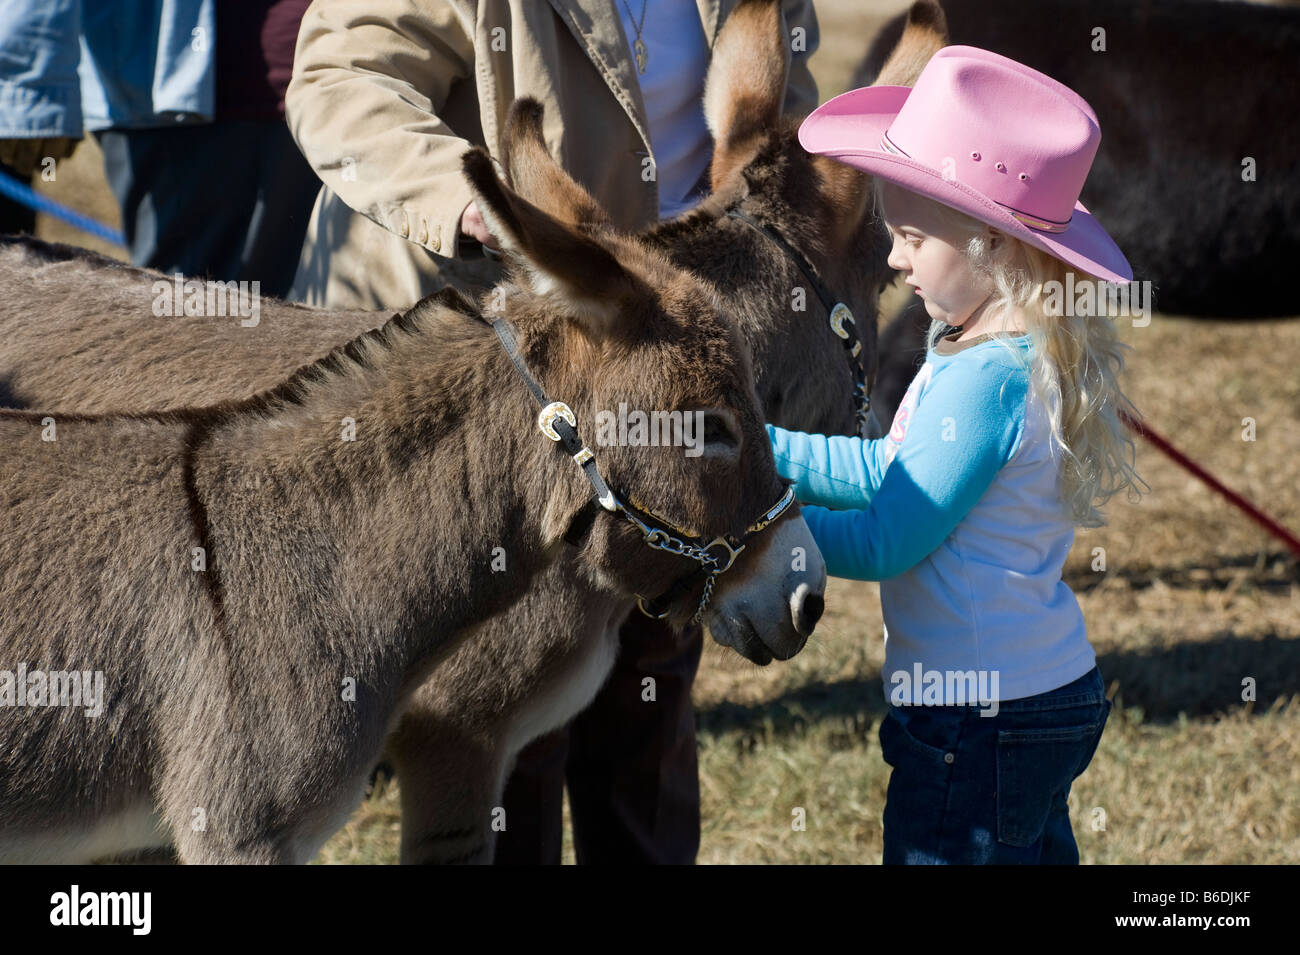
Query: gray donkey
column 259, row 585
column 533, row 667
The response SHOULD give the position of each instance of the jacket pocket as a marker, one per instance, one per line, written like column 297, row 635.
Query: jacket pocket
column 1035, row 768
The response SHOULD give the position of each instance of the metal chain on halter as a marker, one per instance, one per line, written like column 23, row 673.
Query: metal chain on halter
column 840, row 316
column 711, row 565
column 660, row 539
column 557, row 421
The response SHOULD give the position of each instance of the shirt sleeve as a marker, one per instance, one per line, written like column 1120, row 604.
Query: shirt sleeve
column 830, row 470
column 966, row 426
column 369, row 83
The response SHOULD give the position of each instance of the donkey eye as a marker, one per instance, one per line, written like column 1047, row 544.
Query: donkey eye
column 720, row 431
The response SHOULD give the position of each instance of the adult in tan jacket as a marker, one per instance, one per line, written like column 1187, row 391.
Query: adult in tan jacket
column 387, row 95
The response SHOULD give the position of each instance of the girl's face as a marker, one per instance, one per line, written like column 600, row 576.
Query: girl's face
column 924, row 250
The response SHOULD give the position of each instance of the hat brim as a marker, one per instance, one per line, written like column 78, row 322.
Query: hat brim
column 848, row 129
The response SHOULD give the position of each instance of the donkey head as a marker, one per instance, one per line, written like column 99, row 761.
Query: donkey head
column 661, row 386
column 822, row 209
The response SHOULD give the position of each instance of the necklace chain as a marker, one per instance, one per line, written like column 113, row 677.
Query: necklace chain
column 639, row 48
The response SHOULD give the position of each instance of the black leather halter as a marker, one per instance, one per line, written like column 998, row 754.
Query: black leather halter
column 557, row 421
column 841, row 318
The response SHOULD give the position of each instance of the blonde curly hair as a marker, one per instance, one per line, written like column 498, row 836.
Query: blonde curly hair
column 1076, row 365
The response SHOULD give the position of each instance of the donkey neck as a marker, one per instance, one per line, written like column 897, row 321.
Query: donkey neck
column 801, row 373
column 408, row 464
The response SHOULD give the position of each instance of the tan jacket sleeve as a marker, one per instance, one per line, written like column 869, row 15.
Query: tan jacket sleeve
column 369, row 78
column 801, row 88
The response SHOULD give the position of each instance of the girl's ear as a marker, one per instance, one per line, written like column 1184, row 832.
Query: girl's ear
column 999, row 244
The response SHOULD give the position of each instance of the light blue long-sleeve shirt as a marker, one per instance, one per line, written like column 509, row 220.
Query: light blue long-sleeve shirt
column 958, row 512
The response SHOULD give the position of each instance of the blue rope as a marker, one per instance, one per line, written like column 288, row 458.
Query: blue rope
column 22, row 193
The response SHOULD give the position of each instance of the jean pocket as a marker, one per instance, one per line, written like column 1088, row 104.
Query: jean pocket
column 1034, row 769
column 898, row 742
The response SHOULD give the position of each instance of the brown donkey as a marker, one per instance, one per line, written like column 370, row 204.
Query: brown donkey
column 258, row 586
column 786, row 238
column 533, row 667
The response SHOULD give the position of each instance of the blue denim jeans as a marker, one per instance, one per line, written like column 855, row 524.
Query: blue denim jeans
column 968, row 789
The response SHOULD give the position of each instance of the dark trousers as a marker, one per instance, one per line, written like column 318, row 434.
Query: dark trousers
column 227, row 201
column 15, row 217
column 630, row 765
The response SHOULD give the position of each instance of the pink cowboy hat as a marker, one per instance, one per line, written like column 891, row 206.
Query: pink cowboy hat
column 984, row 134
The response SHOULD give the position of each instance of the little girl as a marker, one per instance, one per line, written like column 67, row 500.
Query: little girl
column 1008, row 437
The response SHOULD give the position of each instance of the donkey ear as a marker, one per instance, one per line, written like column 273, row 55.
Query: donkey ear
column 745, row 87
column 925, row 33
column 535, row 175
column 554, row 256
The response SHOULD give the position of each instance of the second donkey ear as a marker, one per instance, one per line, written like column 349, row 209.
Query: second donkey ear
column 552, row 256
column 745, row 86
column 534, row 173
column 925, row 32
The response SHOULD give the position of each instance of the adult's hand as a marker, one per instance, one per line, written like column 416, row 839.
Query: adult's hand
column 25, row 156
column 472, row 225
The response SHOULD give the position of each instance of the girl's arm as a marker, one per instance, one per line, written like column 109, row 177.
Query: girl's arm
column 834, row 471
column 966, row 426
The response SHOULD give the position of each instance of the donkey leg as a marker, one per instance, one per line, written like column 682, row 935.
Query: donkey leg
column 225, row 811
column 522, row 674
column 633, row 778
column 450, row 783
column 202, row 847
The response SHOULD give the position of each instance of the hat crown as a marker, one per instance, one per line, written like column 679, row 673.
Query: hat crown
column 1011, row 133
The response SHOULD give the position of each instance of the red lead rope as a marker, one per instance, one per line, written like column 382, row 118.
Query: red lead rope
column 1254, row 513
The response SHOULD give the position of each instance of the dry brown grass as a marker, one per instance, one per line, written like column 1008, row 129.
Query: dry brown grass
column 80, row 184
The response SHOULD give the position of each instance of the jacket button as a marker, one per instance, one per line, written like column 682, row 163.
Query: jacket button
column 948, row 758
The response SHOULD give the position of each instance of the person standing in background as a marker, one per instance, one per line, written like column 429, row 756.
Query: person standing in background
column 386, row 97
column 186, row 99
column 40, row 95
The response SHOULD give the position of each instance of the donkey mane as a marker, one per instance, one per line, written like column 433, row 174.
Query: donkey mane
column 42, row 252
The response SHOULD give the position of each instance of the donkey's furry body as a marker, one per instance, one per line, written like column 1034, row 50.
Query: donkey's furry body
column 263, row 593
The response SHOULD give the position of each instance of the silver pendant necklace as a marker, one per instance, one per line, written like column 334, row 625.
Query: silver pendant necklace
column 642, row 55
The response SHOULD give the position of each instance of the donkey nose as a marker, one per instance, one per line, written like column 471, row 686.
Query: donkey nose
column 808, row 607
